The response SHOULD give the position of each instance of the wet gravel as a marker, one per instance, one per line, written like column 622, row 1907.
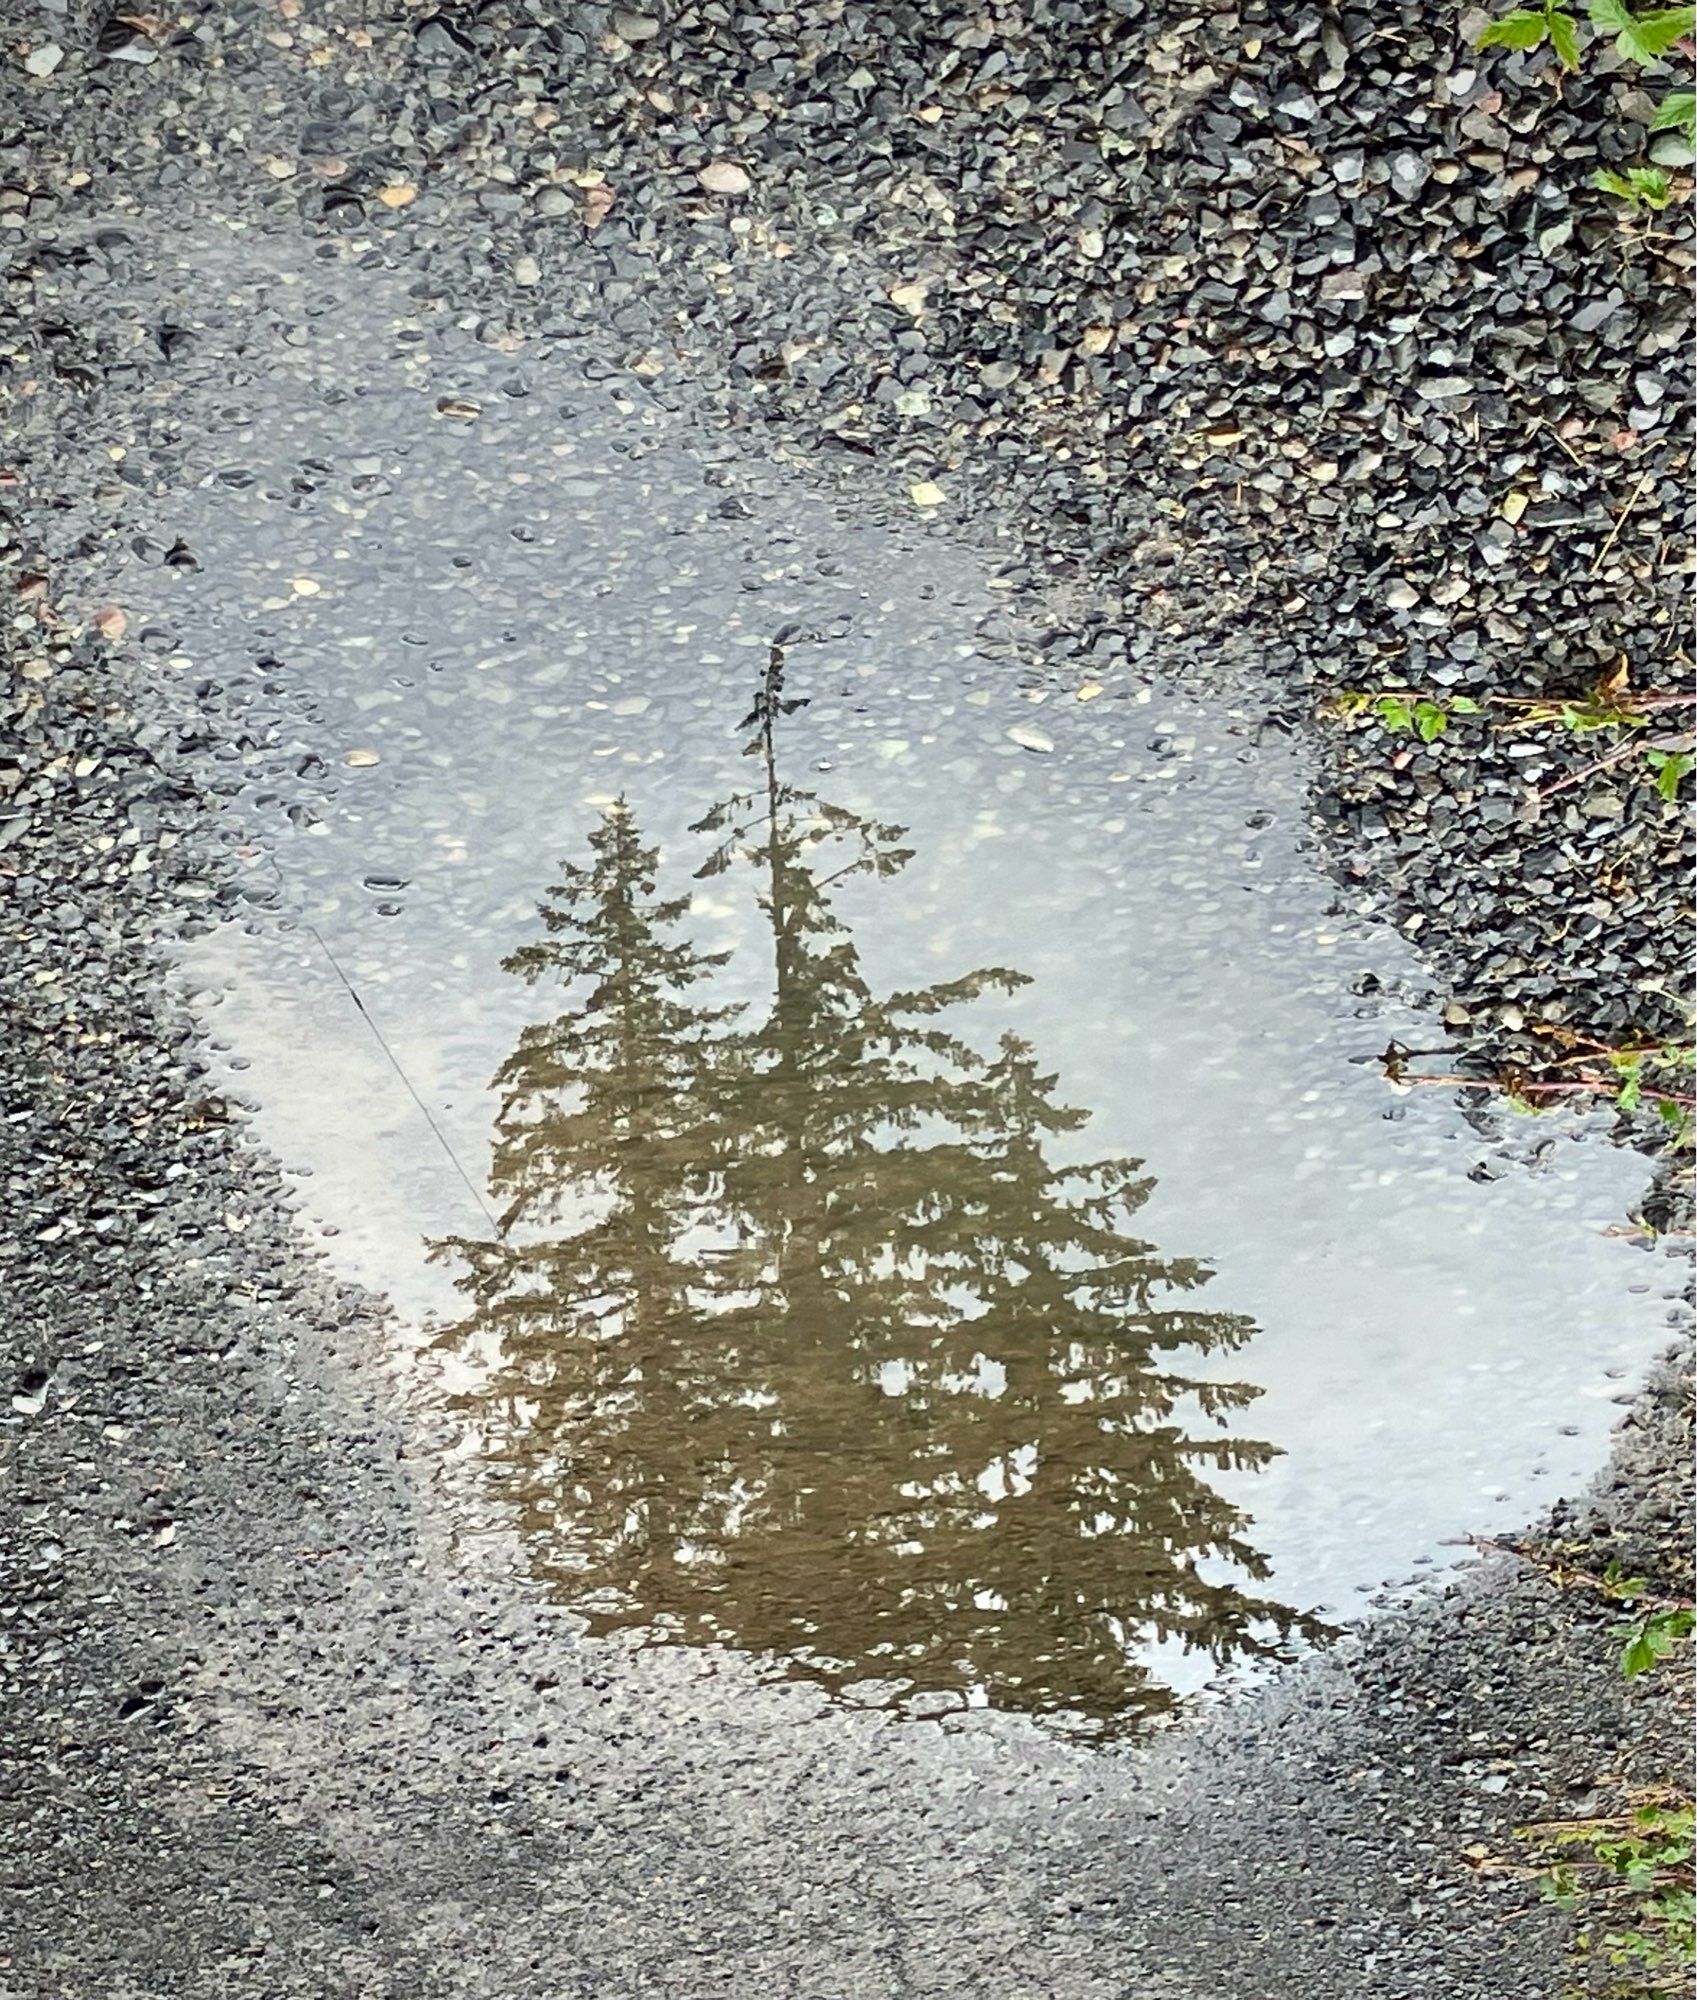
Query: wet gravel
column 1234, row 343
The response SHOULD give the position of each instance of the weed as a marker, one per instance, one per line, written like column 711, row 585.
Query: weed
column 1672, row 768
column 1638, row 187
column 1626, row 1876
column 1630, row 1075
column 1403, row 711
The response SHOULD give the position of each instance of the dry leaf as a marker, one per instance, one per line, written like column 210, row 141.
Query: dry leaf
column 596, row 202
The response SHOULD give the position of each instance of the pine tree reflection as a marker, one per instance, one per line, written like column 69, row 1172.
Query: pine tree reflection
column 804, row 1344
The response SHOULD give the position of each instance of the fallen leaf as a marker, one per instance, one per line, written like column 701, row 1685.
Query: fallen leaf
column 597, row 201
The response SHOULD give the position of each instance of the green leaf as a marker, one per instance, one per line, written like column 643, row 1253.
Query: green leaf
column 1643, row 187
column 1637, row 1656
column 1519, row 30
column 1677, row 112
column 1394, row 712
column 1463, row 704
column 1630, row 1091
column 1656, row 33
column 1641, row 38
column 1564, row 38
column 1672, row 768
column 1429, row 720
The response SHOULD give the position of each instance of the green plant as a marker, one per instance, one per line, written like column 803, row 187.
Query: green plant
column 1405, row 712
column 1613, row 705
column 1642, row 38
column 1639, row 187
column 1626, row 1875
column 1528, row 27
column 1672, row 768
column 1647, row 1639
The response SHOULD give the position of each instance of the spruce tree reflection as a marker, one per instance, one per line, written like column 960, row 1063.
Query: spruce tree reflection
column 802, row 1341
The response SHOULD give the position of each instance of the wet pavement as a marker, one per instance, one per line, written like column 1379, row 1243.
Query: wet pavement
column 926, row 1212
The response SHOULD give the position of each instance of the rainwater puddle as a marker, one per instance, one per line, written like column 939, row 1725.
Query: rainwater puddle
column 911, row 1193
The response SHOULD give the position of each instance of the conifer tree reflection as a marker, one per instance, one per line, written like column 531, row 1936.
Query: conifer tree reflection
column 803, row 1343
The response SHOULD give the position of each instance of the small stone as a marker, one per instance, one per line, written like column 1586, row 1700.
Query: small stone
column 724, row 177
column 1409, row 174
column 45, row 60
column 1029, row 737
column 402, row 195
column 630, row 26
column 361, row 760
column 526, row 271
column 926, row 493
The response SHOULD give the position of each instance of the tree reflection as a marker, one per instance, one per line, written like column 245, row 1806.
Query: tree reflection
column 801, row 1342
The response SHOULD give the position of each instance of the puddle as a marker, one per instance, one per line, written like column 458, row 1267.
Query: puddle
column 911, row 1191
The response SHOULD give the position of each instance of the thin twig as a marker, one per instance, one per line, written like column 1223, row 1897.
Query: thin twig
column 1620, row 522
column 1617, row 755
column 1560, row 1572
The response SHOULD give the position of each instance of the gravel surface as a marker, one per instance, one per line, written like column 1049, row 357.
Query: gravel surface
column 1236, row 343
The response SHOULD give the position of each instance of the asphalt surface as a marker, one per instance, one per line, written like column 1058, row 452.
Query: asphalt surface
column 280, row 1717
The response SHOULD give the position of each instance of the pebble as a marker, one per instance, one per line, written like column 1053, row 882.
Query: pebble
column 724, row 177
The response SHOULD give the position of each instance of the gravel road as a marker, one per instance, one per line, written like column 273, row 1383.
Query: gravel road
column 1302, row 357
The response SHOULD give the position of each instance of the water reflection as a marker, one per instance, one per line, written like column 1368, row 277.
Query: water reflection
column 798, row 1339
